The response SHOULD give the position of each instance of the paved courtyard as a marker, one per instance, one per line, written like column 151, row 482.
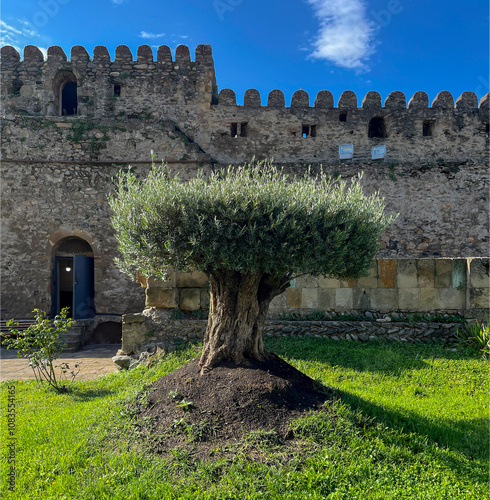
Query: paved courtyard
column 95, row 360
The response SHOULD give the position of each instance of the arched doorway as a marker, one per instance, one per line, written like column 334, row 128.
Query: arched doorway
column 65, row 89
column 73, row 278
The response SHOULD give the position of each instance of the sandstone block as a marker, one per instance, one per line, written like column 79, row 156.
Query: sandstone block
column 326, row 282
column 370, row 281
column 479, row 298
column 293, row 298
column 459, row 273
column 479, row 273
column 343, row 299
column 387, row 273
column 133, row 335
column 451, row 298
column 443, row 273
column 306, row 281
column 161, row 297
column 154, row 283
column 326, row 299
column 361, row 299
column 309, row 298
column 279, row 303
column 428, row 299
column 409, row 299
column 384, row 299
column 204, row 298
column 352, row 283
column 195, row 279
column 190, row 299
column 407, row 273
column 425, row 273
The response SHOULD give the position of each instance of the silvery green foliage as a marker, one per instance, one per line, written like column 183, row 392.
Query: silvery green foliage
column 251, row 219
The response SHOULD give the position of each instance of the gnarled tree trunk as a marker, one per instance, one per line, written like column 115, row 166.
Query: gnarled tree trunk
column 238, row 307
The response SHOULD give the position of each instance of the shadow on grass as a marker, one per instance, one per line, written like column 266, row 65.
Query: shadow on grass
column 381, row 357
column 83, row 395
column 469, row 437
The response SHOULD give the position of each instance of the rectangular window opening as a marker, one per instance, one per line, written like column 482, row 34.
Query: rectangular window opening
column 117, row 90
column 305, row 131
column 428, row 128
column 234, row 129
column 243, row 129
column 313, row 130
column 342, row 117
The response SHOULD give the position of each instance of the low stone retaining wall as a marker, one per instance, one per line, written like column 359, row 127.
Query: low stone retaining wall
column 154, row 329
column 365, row 330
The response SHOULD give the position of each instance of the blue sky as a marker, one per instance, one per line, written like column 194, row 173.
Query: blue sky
column 336, row 45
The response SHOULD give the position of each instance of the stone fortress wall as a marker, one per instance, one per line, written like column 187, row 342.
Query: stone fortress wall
column 58, row 168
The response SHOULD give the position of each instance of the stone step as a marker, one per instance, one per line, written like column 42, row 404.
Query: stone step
column 73, row 339
column 72, row 346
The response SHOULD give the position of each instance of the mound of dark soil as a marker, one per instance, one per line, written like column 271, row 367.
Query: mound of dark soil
column 227, row 403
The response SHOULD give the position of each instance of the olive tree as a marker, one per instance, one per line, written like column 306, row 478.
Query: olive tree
column 251, row 229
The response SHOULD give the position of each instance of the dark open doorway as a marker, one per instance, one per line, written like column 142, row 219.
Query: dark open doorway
column 74, row 278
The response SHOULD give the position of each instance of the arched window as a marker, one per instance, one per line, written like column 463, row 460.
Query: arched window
column 377, row 128
column 65, row 93
column 69, row 102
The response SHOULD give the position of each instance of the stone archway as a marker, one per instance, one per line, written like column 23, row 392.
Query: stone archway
column 73, row 277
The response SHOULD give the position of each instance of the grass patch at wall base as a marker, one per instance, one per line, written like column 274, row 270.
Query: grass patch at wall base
column 406, row 421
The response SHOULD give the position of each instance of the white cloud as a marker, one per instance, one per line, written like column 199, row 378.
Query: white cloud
column 145, row 34
column 345, row 37
column 117, row 2
column 9, row 29
column 11, row 35
column 18, row 38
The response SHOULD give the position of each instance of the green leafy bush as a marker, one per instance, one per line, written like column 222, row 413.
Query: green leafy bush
column 42, row 343
column 478, row 335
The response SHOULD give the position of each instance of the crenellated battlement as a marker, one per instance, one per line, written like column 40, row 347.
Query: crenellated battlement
column 349, row 101
column 166, row 86
column 101, row 86
column 55, row 54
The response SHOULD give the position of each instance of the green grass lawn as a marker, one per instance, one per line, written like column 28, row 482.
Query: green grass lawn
column 410, row 421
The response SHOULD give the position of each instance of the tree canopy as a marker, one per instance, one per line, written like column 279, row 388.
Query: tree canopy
column 251, row 229
column 251, row 219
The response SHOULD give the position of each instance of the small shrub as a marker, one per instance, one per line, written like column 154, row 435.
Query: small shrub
column 42, row 343
column 477, row 335
column 315, row 315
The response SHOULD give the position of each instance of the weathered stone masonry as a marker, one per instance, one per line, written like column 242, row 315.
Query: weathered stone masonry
column 58, row 167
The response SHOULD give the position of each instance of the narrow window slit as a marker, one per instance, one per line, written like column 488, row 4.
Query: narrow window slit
column 243, row 129
column 428, row 128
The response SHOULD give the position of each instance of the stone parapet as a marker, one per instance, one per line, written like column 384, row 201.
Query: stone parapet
column 153, row 330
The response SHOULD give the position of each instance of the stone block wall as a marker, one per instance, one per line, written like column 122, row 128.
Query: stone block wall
column 407, row 285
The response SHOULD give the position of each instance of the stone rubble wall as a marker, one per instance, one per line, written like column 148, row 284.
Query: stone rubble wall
column 154, row 329
column 459, row 129
column 58, row 170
